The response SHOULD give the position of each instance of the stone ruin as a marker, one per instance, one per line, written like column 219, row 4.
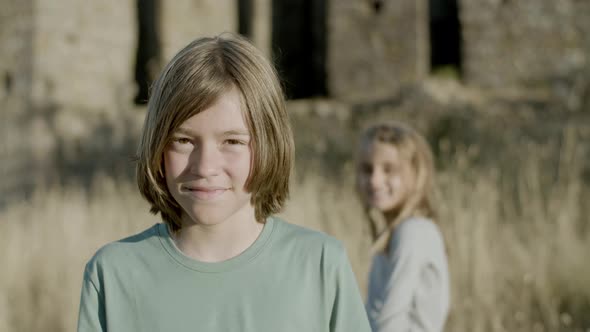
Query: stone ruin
column 72, row 70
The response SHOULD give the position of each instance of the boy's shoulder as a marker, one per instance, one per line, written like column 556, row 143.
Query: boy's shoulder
column 300, row 237
column 299, row 232
column 120, row 251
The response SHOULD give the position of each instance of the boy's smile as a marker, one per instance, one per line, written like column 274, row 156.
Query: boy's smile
column 207, row 163
column 204, row 193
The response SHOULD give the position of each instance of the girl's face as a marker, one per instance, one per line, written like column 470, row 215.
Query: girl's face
column 385, row 178
column 207, row 164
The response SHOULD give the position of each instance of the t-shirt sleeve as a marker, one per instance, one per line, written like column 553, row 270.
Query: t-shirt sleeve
column 91, row 316
column 348, row 311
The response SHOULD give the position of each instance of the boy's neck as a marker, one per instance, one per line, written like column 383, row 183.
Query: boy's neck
column 220, row 242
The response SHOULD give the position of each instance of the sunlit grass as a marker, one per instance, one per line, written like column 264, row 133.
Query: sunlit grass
column 45, row 243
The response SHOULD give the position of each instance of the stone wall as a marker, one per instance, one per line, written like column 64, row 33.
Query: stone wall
column 16, row 44
column 57, row 56
column 261, row 28
column 372, row 52
column 66, row 67
column 184, row 20
column 83, row 53
column 67, row 87
column 76, row 54
column 16, row 38
column 525, row 42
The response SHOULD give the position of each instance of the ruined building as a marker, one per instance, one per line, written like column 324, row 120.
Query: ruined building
column 69, row 60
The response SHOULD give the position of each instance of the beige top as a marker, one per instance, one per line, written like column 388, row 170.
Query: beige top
column 409, row 288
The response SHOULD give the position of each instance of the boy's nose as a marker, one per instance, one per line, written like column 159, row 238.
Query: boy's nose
column 206, row 161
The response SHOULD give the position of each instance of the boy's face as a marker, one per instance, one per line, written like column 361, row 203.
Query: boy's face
column 208, row 162
column 385, row 178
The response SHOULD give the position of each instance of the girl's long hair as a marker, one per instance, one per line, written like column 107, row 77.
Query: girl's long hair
column 420, row 202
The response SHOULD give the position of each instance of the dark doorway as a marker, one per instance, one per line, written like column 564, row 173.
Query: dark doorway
column 245, row 14
column 147, row 59
column 299, row 46
column 445, row 35
column 8, row 82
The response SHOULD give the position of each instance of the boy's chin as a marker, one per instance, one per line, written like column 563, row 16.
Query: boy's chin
column 210, row 216
column 204, row 219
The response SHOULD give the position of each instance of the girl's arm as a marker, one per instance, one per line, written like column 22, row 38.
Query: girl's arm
column 408, row 289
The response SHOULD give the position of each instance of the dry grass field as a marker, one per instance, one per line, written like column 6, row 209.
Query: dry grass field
column 517, row 243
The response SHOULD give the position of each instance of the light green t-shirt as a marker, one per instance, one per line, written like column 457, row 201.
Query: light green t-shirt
column 289, row 279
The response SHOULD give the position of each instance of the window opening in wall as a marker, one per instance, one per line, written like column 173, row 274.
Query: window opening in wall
column 377, row 6
column 445, row 37
column 147, row 58
column 8, row 82
column 245, row 14
column 299, row 46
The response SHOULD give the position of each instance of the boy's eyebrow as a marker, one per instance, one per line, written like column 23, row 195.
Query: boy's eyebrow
column 183, row 131
column 240, row 132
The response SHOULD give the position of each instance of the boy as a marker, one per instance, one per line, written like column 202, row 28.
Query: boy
column 214, row 160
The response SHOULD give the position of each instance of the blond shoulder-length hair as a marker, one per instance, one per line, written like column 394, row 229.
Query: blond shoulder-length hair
column 420, row 202
column 192, row 81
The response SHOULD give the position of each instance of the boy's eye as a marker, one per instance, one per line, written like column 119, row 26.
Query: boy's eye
column 181, row 144
column 233, row 141
column 182, row 140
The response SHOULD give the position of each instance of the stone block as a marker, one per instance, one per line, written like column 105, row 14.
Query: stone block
column 525, row 42
column 83, row 53
column 185, row 20
column 373, row 50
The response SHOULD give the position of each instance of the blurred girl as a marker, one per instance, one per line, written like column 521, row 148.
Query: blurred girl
column 408, row 281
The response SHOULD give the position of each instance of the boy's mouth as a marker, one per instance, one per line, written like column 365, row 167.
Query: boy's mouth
column 204, row 193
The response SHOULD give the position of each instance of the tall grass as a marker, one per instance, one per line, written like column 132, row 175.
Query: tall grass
column 45, row 242
column 516, row 243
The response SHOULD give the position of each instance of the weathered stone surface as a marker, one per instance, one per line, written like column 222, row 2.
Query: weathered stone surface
column 83, row 53
column 16, row 54
column 525, row 42
column 57, row 55
column 16, row 39
column 185, row 20
column 261, row 29
column 371, row 53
